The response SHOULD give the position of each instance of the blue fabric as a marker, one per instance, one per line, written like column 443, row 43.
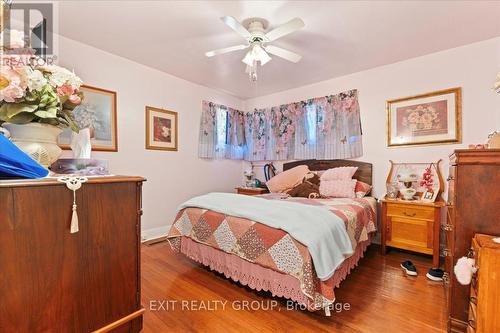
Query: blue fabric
column 14, row 163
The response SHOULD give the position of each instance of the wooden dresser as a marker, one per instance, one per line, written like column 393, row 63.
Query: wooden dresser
column 473, row 201
column 412, row 225
column 484, row 302
column 54, row 281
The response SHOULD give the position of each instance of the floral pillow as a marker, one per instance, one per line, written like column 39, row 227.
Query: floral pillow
column 338, row 188
column 362, row 189
column 341, row 173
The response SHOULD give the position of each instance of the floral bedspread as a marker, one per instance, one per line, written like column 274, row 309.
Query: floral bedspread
column 275, row 248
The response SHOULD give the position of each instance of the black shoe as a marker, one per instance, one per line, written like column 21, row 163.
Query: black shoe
column 409, row 268
column 435, row 274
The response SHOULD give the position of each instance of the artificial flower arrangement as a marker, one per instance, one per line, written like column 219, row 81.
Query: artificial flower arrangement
column 31, row 91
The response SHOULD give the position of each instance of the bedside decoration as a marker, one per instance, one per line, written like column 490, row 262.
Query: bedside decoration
column 161, row 129
column 248, row 173
column 97, row 113
column 73, row 184
column 432, row 118
column 392, row 190
column 407, row 177
column 403, row 178
column 36, row 101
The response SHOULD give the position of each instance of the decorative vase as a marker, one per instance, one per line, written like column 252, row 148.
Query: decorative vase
column 37, row 140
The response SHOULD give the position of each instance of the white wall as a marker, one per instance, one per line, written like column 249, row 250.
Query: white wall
column 172, row 177
column 472, row 67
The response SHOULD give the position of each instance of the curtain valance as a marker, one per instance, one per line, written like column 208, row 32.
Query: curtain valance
column 324, row 128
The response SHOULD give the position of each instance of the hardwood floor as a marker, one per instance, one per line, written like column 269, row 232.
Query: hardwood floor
column 381, row 299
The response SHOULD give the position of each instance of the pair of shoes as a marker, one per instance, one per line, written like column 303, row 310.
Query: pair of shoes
column 435, row 274
column 409, row 268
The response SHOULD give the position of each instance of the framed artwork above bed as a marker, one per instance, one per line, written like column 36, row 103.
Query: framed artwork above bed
column 426, row 119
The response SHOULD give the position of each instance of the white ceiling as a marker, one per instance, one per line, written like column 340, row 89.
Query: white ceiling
column 340, row 37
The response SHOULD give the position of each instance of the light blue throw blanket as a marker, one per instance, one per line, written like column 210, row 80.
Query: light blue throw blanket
column 323, row 232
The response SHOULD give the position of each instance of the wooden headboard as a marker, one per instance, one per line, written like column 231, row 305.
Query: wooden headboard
column 364, row 172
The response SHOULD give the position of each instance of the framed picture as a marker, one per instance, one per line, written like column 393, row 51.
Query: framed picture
column 161, row 129
column 97, row 112
column 432, row 118
column 430, row 195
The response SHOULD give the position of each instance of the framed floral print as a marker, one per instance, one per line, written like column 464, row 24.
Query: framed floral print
column 161, row 129
column 98, row 113
column 432, row 118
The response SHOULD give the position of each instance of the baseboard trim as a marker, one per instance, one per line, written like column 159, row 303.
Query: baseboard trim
column 153, row 234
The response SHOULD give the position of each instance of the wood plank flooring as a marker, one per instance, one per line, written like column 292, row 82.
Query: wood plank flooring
column 182, row 296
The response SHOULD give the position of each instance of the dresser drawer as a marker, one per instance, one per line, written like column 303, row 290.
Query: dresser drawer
column 420, row 212
column 411, row 234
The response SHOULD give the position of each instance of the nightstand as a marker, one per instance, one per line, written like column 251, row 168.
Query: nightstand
column 412, row 225
column 251, row 190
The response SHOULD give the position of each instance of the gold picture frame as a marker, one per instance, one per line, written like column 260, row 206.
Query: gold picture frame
column 161, row 129
column 432, row 118
column 100, row 105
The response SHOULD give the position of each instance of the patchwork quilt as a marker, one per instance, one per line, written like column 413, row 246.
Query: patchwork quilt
column 274, row 248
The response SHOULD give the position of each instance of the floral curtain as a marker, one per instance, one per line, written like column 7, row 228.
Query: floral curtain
column 232, row 126
column 323, row 128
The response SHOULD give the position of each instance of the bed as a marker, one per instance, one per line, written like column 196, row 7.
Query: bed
column 266, row 258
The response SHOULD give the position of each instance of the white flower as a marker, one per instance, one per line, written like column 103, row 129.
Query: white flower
column 36, row 81
column 60, row 76
column 12, row 39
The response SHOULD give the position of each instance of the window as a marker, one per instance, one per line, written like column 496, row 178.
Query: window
column 222, row 127
column 311, row 120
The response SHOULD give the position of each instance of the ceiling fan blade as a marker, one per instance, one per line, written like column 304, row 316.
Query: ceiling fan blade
column 236, row 26
column 226, row 50
column 282, row 53
column 285, row 29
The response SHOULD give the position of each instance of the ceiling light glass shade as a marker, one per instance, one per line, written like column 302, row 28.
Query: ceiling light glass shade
column 257, row 53
column 248, row 58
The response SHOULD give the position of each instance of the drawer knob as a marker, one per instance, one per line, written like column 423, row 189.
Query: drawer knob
column 409, row 215
column 447, row 227
column 446, row 277
column 450, row 178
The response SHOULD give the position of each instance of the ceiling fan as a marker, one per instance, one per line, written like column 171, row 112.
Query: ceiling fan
column 258, row 41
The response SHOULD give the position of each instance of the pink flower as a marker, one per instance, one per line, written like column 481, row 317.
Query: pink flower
column 75, row 99
column 65, row 90
column 10, row 85
column 10, row 93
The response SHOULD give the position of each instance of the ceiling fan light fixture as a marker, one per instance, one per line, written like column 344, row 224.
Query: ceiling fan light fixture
column 257, row 53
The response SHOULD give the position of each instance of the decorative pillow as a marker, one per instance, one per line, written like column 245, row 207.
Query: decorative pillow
column 309, row 188
column 362, row 189
column 341, row 173
column 338, row 188
column 285, row 181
